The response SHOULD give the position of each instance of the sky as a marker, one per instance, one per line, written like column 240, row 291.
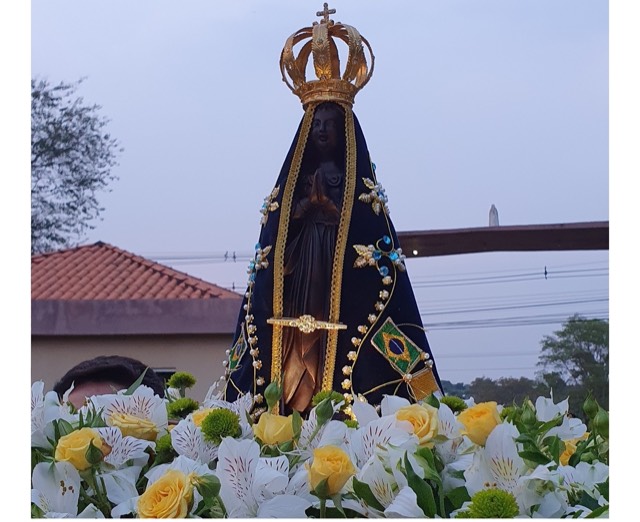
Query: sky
column 471, row 103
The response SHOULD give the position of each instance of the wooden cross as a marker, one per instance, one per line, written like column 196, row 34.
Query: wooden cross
column 325, row 13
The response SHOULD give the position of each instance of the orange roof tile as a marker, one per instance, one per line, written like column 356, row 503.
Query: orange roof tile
column 104, row 272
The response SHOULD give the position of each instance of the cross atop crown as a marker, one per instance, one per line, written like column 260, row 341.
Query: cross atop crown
column 325, row 14
column 317, row 44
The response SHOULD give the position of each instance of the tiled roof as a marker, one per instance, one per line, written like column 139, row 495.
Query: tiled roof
column 104, row 272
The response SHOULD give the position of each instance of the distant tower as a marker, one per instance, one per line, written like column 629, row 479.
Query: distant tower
column 493, row 216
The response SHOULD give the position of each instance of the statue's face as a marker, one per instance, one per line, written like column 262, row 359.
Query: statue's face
column 325, row 129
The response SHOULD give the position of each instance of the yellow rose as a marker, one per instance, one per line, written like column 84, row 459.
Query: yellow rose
column 200, row 415
column 134, row 426
column 570, row 447
column 171, row 496
column 479, row 421
column 274, row 429
column 73, row 447
column 424, row 419
column 333, row 464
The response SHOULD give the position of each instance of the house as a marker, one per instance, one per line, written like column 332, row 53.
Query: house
column 100, row 300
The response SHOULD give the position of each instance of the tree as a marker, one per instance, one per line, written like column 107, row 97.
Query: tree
column 71, row 161
column 579, row 354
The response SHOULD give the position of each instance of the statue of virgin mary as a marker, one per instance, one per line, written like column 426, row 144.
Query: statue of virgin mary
column 329, row 304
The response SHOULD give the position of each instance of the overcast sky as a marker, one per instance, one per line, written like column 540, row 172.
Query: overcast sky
column 472, row 103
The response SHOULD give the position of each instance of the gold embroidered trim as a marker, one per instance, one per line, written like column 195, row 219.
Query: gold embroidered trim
column 341, row 245
column 281, row 242
column 306, row 323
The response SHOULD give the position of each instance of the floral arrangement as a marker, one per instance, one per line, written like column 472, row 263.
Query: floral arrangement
column 135, row 454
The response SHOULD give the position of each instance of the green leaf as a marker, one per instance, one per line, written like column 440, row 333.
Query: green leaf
column 137, row 383
column 208, row 486
column 337, row 502
column 432, row 400
column 534, row 456
column 598, row 512
column 555, row 446
column 603, row 488
column 322, row 489
column 426, row 500
column 296, row 422
column 93, row 454
column 546, row 426
column 64, row 427
column 363, row 491
column 458, row 496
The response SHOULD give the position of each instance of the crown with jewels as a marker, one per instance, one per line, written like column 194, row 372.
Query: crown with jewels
column 331, row 84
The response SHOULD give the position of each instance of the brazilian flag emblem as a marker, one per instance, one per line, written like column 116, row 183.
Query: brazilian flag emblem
column 396, row 347
column 237, row 351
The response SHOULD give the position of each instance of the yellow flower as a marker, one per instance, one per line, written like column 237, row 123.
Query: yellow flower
column 134, row 426
column 73, row 447
column 274, row 429
column 424, row 419
column 570, row 448
column 479, row 421
column 198, row 416
column 333, row 464
column 171, row 496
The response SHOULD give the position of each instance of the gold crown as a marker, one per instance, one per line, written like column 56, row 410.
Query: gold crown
column 330, row 85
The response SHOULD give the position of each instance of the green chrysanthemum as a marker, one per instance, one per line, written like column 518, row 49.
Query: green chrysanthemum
column 164, row 450
column 493, row 503
column 455, row 403
column 351, row 423
column 322, row 395
column 182, row 407
column 181, row 380
column 220, row 423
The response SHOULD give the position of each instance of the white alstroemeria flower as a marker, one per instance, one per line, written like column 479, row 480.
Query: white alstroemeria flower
column 571, row 428
column 188, row 440
column 381, row 435
column 405, row 505
column 124, row 448
column 241, row 407
column 382, row 483
column 547, row 410
column 545, row 497
column 45, row 408
column 120, row 484
column 38, row 437
column 585, row 476
column 182, row 464
column 390, row 404
column 255, row 487
column 56, row 490
column 498, row 464
column 143, row 404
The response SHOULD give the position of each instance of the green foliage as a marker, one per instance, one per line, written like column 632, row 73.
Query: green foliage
column 326, row 394
column 181, row 381
column 492, row 503
column 164, row 450
column 455, row 403
column 220, row 423
column 71, row 162
column 579, row 354
column 182, row 407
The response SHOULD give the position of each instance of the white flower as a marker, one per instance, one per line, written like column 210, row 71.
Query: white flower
column 255, row 487
column 56, row 490
column 405, row 505
column 124, row 449
column 143, row 403
column 188, row 440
